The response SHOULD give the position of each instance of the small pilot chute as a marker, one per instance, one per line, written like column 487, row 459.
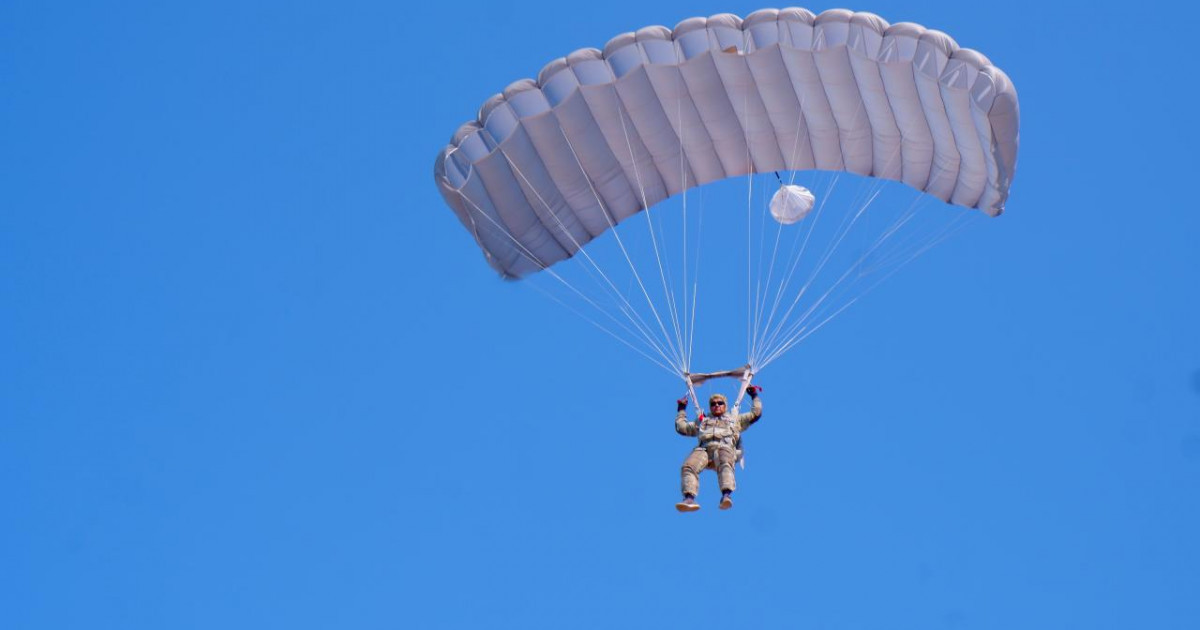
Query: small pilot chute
column 791, row 203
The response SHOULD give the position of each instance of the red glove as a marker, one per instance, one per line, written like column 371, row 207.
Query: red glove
column 683, row 403
column 752, row 390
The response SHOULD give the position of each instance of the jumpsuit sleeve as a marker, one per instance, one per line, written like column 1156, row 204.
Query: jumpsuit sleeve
column 683, row 427
column 752, row 416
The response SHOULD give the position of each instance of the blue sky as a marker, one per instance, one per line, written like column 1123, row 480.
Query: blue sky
column 253, row 373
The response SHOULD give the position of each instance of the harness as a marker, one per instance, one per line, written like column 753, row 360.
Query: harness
column 732, row 438
column 744, row 375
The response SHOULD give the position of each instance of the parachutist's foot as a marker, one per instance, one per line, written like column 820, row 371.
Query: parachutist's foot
column 726, row 501
column 688, row 504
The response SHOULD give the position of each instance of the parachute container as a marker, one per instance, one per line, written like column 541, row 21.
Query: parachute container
column 791, row 204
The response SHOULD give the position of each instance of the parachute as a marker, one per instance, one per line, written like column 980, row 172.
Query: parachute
column 601, row 135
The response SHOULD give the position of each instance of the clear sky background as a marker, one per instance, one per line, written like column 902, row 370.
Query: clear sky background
column 254, row 373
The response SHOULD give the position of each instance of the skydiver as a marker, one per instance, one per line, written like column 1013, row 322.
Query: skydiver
column 720, row 445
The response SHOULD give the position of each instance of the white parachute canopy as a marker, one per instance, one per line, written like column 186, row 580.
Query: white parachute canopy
column 552, row 166
column 791, row 203
column 551, row 163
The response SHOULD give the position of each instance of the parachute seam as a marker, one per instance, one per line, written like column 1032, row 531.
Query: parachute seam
column 538, row 161
column 531, row 237
column 552, row 114
column 937, row 112
column 725, row 171
column 964, row 139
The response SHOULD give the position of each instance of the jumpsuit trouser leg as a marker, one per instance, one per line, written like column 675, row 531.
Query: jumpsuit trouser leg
column 715, row 456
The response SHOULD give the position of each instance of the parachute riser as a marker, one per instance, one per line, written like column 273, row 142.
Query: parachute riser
column 745, row 380
column 743, row 374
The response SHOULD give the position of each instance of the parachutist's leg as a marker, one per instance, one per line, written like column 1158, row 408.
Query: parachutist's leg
column 724, row 458
column 695, row 462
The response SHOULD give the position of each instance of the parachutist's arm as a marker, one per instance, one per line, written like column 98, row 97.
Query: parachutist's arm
column 683, row 427
column 749, row 418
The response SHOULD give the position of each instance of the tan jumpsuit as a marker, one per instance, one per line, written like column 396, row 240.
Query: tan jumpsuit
column 718, row 446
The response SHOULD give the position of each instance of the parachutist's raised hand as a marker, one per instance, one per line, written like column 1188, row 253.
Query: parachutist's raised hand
column 682, row 402
column 752, row 390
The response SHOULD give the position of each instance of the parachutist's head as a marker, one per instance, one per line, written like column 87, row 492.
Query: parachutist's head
column 716, row 404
